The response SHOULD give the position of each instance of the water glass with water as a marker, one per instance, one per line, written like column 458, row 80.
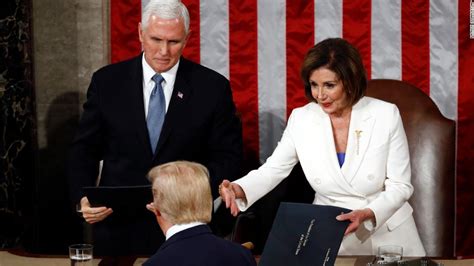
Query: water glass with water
column 81, row 254
column 390, row 253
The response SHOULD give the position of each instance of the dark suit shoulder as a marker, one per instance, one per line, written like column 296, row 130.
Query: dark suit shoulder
column 193, row 247
column 121, row 69
column 118, row 78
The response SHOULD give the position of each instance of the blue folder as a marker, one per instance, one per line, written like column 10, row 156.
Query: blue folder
column 304, row 234
column 126, row 201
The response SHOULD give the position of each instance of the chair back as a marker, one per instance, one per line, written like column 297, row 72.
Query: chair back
column 431, row 141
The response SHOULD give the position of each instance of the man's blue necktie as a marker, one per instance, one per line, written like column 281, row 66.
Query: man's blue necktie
column 156, row 112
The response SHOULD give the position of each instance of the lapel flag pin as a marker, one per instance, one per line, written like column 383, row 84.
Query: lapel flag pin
column 180, row 95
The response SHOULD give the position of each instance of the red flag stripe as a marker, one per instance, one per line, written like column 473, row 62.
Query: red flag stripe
column 465, row 160
column 193, row 47
column 124, row 19
column 356, row 28
column 244, row 68
column 416, row 43
column 299, row 38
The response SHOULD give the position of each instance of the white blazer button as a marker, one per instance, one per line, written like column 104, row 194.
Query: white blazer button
column 371, row 177
column 317, row 181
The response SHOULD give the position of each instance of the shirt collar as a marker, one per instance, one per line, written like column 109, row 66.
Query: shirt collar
column 180, row 227
column 148, row 72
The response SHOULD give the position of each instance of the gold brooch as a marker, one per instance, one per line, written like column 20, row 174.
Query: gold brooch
column 358, row 133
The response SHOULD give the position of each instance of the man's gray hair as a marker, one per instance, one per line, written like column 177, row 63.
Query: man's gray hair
column 166, row 9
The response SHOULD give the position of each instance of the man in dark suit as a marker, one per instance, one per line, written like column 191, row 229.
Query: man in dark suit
column 182, row 205
column 151, row 109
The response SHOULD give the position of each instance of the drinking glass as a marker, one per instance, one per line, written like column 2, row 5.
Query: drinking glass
column 390, row 253
column 80, row 254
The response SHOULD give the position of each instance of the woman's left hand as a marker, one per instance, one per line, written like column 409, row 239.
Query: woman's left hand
column 356, row 217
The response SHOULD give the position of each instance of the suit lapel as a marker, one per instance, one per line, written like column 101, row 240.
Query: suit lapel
column 137, row 106
column 331, row 162
column 360, row 120
column 360, row 132
column 180, row 96
column 328, row 141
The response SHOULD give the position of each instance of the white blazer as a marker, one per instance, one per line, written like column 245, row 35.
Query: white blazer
column 376, row 173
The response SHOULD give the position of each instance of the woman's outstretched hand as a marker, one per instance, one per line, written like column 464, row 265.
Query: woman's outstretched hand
column 229, row 192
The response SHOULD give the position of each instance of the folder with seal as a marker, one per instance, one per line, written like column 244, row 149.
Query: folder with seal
column 126, row 201
column 304, row 234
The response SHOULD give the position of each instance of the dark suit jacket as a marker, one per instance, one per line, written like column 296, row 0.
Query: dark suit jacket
column 200, row 125
column 198, row 246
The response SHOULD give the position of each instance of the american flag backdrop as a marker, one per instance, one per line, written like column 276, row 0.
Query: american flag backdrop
column 259, row 46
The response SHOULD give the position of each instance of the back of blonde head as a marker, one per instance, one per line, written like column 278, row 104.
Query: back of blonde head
column 182, row 192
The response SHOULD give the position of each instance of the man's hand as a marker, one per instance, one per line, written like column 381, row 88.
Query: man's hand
column 93, row 214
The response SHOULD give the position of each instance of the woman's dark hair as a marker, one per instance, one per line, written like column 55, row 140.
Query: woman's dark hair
column 342, row 58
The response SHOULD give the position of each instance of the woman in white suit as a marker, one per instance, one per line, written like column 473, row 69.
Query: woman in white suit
column 353, row 151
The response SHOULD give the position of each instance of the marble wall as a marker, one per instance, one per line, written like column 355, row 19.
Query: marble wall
column 68, row 40
column 17, row 123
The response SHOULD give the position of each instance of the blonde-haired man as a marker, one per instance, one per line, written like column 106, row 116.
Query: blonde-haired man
column 182, row 204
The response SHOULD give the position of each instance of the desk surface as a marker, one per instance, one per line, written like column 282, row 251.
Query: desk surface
column 362, row 261
column 9, row 259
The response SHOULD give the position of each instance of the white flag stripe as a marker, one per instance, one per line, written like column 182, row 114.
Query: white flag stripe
column 214, row 39
column 271, row 74
column 386, row 39
column 444, row 56
column 327, row 19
